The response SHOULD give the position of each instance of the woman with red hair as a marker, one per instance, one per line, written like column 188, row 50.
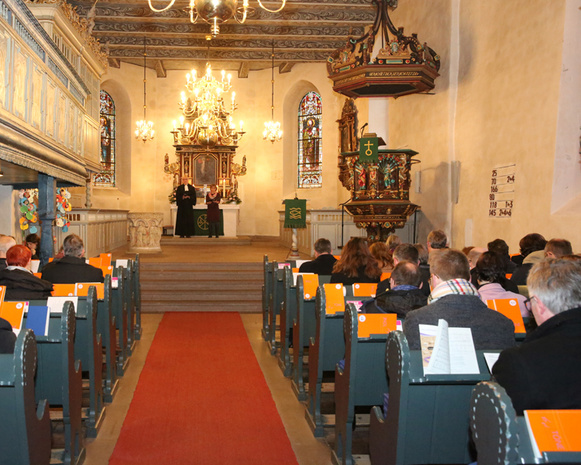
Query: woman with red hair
column 20, row 283
column 356, row 264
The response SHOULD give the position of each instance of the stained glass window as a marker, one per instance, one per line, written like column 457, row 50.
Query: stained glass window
column 310, row 146
column 107, row 122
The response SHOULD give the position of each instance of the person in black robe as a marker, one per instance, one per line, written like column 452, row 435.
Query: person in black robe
column 185, row 200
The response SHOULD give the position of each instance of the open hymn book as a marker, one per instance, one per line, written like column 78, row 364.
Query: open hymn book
column 447, row 351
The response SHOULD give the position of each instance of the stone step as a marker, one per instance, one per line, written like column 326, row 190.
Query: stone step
column 201, row 287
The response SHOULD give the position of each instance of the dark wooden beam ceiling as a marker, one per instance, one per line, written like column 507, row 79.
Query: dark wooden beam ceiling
column 306, row 31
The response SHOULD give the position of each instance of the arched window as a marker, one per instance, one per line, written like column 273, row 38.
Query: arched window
column 310, row 146
column 107, row 122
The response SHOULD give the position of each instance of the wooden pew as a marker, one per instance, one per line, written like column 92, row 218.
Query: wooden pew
column 119, row 306
column 25, row 430
column 500, row 435
column 137, row 296
column 362, row 382
column 303, row 331
column 128, row 294
column 288, row 311
column 266, row 295
column 276, row 297
column 326, row 348
column 427, row 416
column 59, row 378
column 106, row 328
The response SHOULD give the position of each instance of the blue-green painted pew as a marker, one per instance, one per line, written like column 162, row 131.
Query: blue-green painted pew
column 25, row 430
column 119, row 306
column 59, row 377
column 304, row 326
column 288, row 311
column 326, row 348
column 137, row 330
column 89, row 349
column 427, row 415
column 266, row 294
column 276, row 298
column 362, row 382
column 106, row 328
column 500, row 435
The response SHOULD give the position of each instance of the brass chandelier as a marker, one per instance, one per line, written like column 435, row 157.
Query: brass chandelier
column 216, row 12
column 144, row 129
column 206, row 118
column 272, row 131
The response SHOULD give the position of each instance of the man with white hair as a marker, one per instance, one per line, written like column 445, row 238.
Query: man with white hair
column 544, row 372
column 5, row 243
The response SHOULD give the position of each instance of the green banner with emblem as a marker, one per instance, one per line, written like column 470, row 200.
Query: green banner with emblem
column 295, row 213
column 368, row 149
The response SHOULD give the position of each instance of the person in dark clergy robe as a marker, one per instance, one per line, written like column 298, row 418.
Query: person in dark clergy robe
column 185, row 200
column 72, row 268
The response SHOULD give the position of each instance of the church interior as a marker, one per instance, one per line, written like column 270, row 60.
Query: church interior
column 489, row 142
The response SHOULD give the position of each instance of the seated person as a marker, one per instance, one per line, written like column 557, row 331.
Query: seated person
column 532, row 250
column 5, row 243
column 405, row 295
column 544, row 371
column 392, row 242
column 7, row 337
column 489, row 273
column 72, row 268
column 557, row 248
column 324, row 259
column 356, row 264
column 500, row 248
column 20, row 283
column 32, row 241
column 409, row 253
column 455, row 300
column 383, row 255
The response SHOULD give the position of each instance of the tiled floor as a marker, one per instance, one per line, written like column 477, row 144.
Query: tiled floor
column 308, row 450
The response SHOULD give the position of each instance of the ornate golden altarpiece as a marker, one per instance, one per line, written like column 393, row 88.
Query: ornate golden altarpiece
column 379, row 189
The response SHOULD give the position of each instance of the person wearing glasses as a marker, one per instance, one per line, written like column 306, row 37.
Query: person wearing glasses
column 455, row 300
column 544, row 372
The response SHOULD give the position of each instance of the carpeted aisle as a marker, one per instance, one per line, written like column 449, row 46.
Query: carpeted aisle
column 202, row 399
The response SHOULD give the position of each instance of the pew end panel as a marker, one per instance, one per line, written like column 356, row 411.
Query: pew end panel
column 326, row 348
column 277, row 296
column 288, row 313
column 59, row 379
column 138, row 330
column 362, row 382
column 89, row 349
column 106, row 327
column 266, row 295
column 25, row 429
column 427, row 417
column 501, row 436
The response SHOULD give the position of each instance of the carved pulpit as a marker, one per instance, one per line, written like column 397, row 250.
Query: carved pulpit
column 378, row 179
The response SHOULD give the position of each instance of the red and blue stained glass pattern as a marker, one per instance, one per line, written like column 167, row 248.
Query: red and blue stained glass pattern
column 107, row 123
column 310, row 146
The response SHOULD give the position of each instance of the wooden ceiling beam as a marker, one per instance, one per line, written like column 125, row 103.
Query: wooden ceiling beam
column 160, row 69
column 243, row 70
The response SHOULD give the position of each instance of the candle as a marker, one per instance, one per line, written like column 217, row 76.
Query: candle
column 224, row 187
column 241, row 123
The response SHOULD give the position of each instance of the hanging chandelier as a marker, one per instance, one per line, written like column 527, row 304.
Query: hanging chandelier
column 272, row 131
column 403, row 65
column 144, row 129
column 216, row 12
column 206, row 118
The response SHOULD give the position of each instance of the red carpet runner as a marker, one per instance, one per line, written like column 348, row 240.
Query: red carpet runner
column 202, row 399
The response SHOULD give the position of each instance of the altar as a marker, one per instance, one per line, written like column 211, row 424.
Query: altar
column 230, row 215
